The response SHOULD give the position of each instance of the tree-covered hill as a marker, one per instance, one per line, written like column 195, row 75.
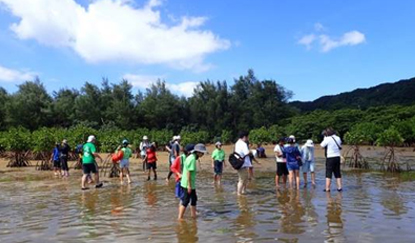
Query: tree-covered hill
column 398, row 93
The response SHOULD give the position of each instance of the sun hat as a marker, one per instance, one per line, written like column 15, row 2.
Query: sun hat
column 309, row 143
column 145, row 138
column 91, row 138
column 218, row 144
column 201, row 148
column 125, row 141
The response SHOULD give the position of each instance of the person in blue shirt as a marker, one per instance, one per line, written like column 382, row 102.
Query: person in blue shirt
column 293, row 155
column 56, row 160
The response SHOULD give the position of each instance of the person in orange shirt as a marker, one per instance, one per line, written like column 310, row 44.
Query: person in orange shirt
column 177, row 168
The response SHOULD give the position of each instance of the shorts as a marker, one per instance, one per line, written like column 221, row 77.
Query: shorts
column 178, row 190
column 218, row 167
column 64, row 163
column 308, row 166
column 282, row 169
column 293, row 166
column 189, row 198
column 124, row 163
column 89, row 168
column 243, row 175
column 333, row 167
column 56, row 164
column 152, row 165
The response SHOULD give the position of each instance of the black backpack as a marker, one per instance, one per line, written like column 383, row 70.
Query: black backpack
column 236, row 161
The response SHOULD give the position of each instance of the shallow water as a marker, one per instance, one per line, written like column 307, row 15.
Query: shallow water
column 374, row 207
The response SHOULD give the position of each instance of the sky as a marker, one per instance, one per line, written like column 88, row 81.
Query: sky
column 311, row 47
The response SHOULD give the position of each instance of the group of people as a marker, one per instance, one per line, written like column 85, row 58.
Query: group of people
column 290, row 160
column 60, row 156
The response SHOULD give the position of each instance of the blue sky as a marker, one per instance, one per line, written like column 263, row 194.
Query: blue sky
column 313, row 48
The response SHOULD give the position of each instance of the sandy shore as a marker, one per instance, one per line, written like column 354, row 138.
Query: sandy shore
column 267, row 164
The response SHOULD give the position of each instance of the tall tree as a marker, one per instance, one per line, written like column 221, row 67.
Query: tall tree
column 29, row 106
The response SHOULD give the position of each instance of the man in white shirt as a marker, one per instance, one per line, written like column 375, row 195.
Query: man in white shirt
column 241, row 148
column 332, row 145
column 282, row 170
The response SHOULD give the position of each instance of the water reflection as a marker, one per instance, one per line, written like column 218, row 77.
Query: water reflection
column 187, row 231
column 334, row 218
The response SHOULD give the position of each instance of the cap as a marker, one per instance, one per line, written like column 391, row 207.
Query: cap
column 125, row 141
column 201, row 148
column 309, row 143
column 218, row 144
column 91, row 138
column 64, row 141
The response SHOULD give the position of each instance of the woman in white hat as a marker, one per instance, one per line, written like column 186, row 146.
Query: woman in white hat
column 144, row 145
column 307, row 152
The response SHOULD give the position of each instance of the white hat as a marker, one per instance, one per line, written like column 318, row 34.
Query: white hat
column 65, row 141
column 309, row 143
column 145, row 138
column 218, row 143
column 292, row 136
column 90, row 138
column 178, row 137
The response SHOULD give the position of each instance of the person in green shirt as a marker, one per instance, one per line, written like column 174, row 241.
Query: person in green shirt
column 125, row 161
column 88, row 162
column 218, row 162
column 188, row 182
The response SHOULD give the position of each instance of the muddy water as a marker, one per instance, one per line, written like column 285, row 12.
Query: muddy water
column 373, row 208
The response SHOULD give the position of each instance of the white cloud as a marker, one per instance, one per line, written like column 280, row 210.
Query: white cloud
column 115, row 30
column 351, row 38
column 145, row 81
column 11, row 75
column 327, row 43
column 185, row 88
column 307, row 40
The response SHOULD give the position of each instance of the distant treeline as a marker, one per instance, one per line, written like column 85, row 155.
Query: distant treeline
column 216, row 111
column 214, row 106
column 398, row 93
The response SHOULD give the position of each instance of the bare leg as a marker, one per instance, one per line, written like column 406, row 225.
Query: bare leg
column 127, row 174
column 97, row 178
column 277, row 181
column 290, row 178
column 193, row 211
column 121, row 175
column 284, row 179
column 83, row 181
column 305, row 178
column 313, row 178
column 339, row 183
column 182, row 210
column 328, row 182
column 155, row 174
column 297, row 178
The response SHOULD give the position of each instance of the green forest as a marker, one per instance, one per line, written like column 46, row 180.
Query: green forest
column 31, row 118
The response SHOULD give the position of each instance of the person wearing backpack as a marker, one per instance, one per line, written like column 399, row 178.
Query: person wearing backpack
column 188, row 181
column 308, row 162
column 125, row 161
column 241, row 148
column 332, row 145
column 177, row 168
